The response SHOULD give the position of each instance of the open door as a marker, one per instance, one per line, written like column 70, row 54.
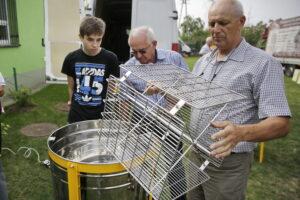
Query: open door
column 62, row 19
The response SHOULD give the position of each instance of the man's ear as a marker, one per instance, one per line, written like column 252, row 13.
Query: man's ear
column 243, row 20
column 154, row 43
column 80, row 37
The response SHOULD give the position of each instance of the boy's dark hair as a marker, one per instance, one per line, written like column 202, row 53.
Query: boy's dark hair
column 91, row 25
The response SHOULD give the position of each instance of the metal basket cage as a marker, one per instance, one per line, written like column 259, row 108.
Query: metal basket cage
column 160, row 134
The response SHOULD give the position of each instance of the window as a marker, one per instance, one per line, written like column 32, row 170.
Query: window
column 9, row 35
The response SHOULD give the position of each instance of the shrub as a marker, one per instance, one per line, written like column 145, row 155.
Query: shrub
column 21, row 97
column 4, row 128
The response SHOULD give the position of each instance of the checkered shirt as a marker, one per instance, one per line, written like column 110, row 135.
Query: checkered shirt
column 252, row 73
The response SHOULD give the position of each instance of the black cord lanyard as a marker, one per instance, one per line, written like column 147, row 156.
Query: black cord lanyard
column 211, row 58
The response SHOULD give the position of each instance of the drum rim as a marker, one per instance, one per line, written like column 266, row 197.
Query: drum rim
column 105, row 167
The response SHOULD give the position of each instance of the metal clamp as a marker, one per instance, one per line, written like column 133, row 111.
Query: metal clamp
column 123, row 78
column 177, row 107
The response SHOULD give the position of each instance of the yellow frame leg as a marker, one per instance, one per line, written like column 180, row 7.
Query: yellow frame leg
column 261, row 151
column 73, row 181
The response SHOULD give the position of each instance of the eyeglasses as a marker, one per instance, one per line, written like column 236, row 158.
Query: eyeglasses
column 141, row 51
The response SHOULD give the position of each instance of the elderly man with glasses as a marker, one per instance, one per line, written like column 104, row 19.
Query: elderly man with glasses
column 143, row 45
column 143, row 49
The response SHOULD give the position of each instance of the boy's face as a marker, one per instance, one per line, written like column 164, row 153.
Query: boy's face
column 91, row 43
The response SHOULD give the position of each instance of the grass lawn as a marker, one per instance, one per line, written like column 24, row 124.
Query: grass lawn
column 277, row 178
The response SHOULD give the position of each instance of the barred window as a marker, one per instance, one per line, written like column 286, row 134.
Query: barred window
column 9, row 35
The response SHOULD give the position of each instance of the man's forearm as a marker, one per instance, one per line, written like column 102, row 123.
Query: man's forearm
column 231, row 134
column 268, row 129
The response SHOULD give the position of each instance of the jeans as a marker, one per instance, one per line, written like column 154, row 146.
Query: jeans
column 3, row 189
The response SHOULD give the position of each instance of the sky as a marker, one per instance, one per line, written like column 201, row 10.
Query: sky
column 254, row 10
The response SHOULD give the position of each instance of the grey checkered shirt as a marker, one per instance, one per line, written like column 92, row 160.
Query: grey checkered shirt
column 252, row 73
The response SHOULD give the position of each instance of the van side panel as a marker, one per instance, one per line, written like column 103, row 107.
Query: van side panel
column 161, row 15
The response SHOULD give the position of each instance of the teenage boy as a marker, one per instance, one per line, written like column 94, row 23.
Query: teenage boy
column 87, row 70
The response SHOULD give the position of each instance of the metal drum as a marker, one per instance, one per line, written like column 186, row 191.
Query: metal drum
column 82, row 168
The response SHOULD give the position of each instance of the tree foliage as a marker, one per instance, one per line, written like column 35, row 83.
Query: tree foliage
column 253, row 34
column 192, row 32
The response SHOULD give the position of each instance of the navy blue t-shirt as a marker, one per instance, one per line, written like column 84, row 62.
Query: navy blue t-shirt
column 89, row 74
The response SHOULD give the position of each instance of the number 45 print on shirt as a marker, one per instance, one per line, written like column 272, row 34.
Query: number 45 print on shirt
column 89, row 81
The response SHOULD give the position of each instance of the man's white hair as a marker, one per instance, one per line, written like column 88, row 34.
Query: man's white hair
column 148, row 31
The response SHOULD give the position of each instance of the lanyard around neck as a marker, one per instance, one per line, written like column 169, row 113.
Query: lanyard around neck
column 213, row 57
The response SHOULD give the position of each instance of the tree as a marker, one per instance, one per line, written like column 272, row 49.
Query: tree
column 253, row 34
column 193, row 33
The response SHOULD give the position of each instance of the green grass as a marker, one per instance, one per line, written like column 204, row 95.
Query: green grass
column 191, row 61
column 277, row 178
column 26, row 178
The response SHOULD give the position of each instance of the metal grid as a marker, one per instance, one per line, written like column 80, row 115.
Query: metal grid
column 157, row 137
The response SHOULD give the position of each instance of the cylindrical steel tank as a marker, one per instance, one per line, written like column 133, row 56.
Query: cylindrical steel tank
column 82, row 168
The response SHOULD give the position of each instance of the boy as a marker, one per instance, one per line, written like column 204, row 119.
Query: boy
column 87, row 70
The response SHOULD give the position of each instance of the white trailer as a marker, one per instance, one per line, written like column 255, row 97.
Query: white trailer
column 283, row 42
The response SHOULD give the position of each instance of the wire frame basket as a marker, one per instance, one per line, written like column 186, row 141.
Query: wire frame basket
column 159, row 133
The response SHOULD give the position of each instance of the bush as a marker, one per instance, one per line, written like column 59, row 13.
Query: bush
column 21, row 97
column 4, row 128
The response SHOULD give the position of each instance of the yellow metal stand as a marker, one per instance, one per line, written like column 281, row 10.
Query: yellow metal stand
column 73, row 181
column 261, row 151
column 74, row 169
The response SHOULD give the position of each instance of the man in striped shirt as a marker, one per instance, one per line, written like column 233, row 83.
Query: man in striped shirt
column 240, row 67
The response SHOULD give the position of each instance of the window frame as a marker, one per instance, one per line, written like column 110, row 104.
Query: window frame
column 8, row 21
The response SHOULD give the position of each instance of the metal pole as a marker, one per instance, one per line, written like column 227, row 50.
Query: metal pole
column 186, row 13
column 261, row 151
column 15, row 78
column 179, row 21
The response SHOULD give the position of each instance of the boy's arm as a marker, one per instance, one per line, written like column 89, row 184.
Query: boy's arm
column 71, row 84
